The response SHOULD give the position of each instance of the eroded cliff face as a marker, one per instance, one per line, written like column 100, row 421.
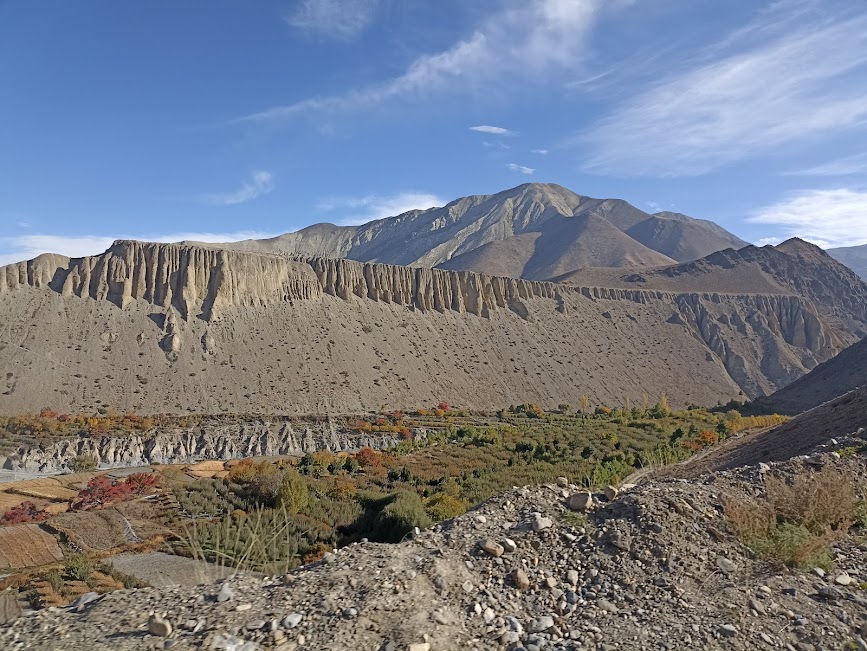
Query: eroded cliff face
column 162, row 327
column 209, row 441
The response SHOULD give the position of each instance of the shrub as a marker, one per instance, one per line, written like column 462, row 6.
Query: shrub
column 404, row 512
column 77, row 567
column 294, row 494
column 83, row 463
column 101, row 491
column 797, row 521
column 443, row 506
column 140, row 482
column 25, row 512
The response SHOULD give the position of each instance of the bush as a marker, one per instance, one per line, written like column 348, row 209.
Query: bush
column 442, row 506
column 400, row 516
column 77, row 567
column 797, row 521
column 25, row 512
column 83, row 463
column 294, row 494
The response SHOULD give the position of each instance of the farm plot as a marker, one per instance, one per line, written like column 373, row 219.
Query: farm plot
column 27, row 545
column 111, row 528
column 47, row 488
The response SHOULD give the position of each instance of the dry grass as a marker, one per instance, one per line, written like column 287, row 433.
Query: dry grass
column 798, row 519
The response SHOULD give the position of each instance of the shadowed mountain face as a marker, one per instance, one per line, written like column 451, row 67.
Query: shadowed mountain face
column 839, row 375
column 854, row 257
column 533, row 231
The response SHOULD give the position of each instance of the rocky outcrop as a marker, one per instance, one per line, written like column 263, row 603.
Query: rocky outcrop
column 208, row 441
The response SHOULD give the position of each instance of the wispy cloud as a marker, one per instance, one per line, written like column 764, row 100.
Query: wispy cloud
column 337, row 19
column 761, row 88
column 520, row 168
column 540, row 152
column 497, row 131
column 840, row 167
column 26, row 247
column 522, row 40
column 360, row 210
column 828, row 218
column 259, row 183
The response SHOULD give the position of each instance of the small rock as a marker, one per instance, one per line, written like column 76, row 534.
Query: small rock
column 157, row 625
column 542, row 624
column 492, row 547
column 509, row 545
column 467, row 586
column 420, row 646
column 242, row 607
column 830, row 592
column 292, row 620
column 225, row 594
column 607, row 606
column 79, row 604
column 562, row 482
column 727, row 630
column 481, row 519
column 581, row 502
column 551, row 582
column 818, row 571
column 757, row 605
column 572, row 577
column 726, row 565
column 520, row 579
column 610, row 493
column 540, row 523
column 350, row 613
column 255, row 625
column 843, row 579
column 440, row 583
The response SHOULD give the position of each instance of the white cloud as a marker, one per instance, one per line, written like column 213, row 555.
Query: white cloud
column 520, row 168
column 26, row 247
column 764, row 87
column 541, row 152
column 530, row 41
column 840, row 167
column 337, row 19
column 773, row 241
column 259, row 183
column 828, row 218
column 360, row 210
column 497, row 131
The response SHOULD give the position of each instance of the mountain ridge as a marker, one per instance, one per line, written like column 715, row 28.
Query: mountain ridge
column 445, row 236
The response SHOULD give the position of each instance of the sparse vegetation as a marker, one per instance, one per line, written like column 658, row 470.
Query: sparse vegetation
column 798, row 519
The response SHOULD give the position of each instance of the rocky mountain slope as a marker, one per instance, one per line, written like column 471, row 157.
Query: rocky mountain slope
column 651, row 567
column 854, row 257
column 533, row 231
column 835, row 377
column 793, row 267
column 158, row 327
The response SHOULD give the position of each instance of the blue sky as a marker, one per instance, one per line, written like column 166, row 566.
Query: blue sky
column 229, row 119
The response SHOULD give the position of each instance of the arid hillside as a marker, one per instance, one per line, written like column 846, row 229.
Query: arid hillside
column 854, row 257
column 157, row 328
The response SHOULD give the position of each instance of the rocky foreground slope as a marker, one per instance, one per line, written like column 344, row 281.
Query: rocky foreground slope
column 168, row 328
column 657, row 567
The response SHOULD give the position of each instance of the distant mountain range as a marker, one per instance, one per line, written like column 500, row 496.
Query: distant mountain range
column 854, row 257
column 535, row 231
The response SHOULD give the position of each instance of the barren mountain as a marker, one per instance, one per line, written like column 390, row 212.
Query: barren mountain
column 532, row 231
column 839, row 375
column 854, row 257
column 793, row 267
column 158, row 327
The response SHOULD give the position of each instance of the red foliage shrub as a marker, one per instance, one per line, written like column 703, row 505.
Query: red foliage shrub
column 26, row 512
column 101, row 491
column 140, row 482
column 368, row 458
column 405, row 434
column 443, row 406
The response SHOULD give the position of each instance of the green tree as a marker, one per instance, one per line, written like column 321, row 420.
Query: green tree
column 294, row 494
